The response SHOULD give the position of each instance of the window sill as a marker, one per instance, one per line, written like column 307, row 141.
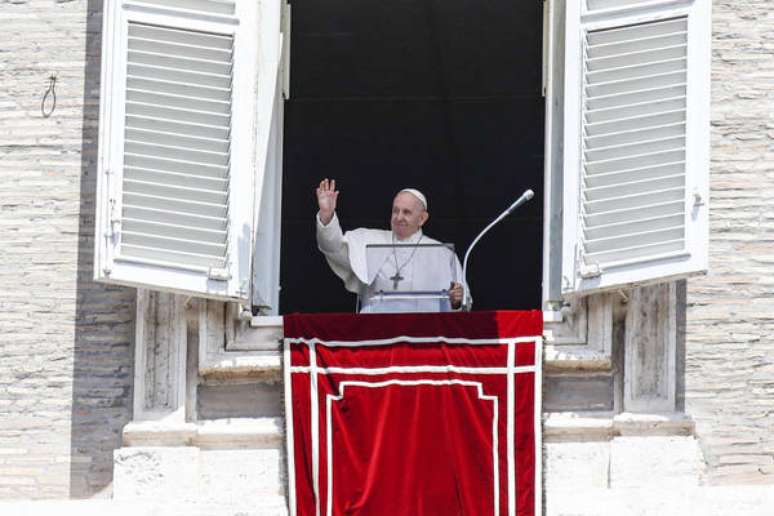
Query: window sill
column 275, row 321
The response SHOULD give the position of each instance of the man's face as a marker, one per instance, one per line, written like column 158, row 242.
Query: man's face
column 408, row 215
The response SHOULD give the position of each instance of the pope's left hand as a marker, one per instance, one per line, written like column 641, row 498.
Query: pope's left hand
column 455, row 294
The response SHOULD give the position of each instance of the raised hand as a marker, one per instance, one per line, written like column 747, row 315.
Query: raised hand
column 326, row 200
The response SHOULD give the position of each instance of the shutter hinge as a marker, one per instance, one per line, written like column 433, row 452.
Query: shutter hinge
column 242, row 288
column 698, row 200
column 218, row 274
column 588, row 271
column 114, row 222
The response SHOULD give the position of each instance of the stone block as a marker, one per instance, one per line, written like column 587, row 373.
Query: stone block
column 576, row 465
column 654, row 461
column 232, row 476
column 191, row 475
column 156, row 473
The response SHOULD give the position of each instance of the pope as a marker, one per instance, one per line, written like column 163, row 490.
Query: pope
column 434, row 268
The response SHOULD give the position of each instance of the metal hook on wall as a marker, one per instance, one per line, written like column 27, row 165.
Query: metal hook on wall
column 49, row 92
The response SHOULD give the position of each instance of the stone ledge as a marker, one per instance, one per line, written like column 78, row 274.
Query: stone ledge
column 233, row 364
column 575, row 358
column 266, row 506
column 630, row 424
column 704, row 501
column 233, row 433
column 268, row 365
column 603, row 426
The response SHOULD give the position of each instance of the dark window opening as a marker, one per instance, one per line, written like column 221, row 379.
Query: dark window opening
column 441, row 95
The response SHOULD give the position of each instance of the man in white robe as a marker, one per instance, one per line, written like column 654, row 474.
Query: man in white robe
column 402, row 262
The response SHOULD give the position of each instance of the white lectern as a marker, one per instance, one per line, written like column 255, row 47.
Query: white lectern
column 409, row 278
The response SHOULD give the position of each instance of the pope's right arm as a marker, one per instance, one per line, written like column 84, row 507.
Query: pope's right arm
column 330, row 241
column 330, row 238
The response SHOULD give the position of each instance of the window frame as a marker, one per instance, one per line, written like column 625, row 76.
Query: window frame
column 695, row 257
column 251, row 61
column 259, row 275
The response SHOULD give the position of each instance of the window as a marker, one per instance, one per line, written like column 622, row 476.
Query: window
column 636, row 142
column 188, row 95
column 192, row 136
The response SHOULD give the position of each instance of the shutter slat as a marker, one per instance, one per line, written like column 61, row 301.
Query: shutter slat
column 178, row 115
column 169, row 258
column 186, row 37
column 203, row 53
column 177, row 127
column 206, row 158
column 176, row 140
column 626, row 60
column 208, row 6
column 178, row 76
column 179, row 101
column 141, row 200
column 635, row 200
column 624, row 113
column 633, row 45
column 594, row 5
column 179, row 63
column 650, row 119
column 633, row 187
column 175, row 165
column 612, row 243
column 637, row 252
column 632, row 136
column 173, row 244
column 175, row 191
column 172, row 178
column 635, row 174
column 208, row 93
column 636, row 97
column 636, row 213
column 616, row 152
column 643, row 160
column 621, row 35
column 636, row 71
column 163, row 229
column 630, row 227
column 192, row 220
column 631, row 85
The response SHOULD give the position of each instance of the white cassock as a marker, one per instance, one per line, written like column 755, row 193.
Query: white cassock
column 420, row 268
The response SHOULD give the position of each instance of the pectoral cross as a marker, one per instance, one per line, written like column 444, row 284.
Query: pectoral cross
column 395, row 279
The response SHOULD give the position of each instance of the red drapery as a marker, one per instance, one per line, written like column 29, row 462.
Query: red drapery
column 413, row 414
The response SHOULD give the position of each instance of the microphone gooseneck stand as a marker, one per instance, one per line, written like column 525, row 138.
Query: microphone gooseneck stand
column 467, row 301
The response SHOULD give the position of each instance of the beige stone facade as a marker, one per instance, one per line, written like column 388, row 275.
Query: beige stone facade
column 729, row 380
column 67, row 354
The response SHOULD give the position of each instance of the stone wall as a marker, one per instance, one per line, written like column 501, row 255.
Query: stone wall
column 65, row 342
column 730, row 319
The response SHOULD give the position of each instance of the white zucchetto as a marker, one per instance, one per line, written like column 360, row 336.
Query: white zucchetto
column 416, row 193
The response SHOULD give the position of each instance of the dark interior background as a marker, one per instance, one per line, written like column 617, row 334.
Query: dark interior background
column 441, row 95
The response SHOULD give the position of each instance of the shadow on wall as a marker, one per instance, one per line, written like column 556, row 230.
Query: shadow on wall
column 103, row 350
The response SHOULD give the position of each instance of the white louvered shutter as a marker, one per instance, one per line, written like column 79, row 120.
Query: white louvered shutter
column 179, row 154
column 636, row 142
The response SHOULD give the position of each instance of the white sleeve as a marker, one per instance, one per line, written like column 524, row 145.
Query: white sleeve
column 461, row 281
column 330, row 241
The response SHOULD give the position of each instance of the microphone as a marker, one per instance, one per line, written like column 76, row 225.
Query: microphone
column 467, row 302
column 526, row 196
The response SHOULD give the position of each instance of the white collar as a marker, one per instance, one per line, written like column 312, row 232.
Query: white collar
column 411, row 239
